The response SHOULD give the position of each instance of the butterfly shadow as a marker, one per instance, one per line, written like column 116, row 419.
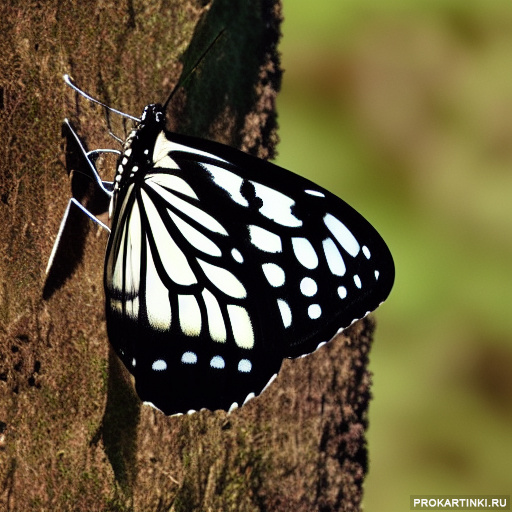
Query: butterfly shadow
column 118, row 429
column 90, row 201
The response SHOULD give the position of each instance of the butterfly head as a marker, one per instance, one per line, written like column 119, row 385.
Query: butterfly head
column 153, row 116
column 137, row 157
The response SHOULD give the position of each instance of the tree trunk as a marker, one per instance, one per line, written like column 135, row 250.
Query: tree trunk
column 73, row 435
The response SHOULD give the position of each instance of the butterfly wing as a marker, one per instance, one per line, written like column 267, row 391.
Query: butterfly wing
column 219, row 265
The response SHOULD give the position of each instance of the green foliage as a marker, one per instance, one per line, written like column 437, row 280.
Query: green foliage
column 404, row 109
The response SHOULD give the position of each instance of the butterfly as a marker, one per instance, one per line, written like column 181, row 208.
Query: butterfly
column 219, row 265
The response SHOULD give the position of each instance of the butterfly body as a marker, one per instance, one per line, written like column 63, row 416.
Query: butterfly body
column 219, row 265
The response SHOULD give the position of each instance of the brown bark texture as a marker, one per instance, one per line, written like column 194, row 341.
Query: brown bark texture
column 73, row 435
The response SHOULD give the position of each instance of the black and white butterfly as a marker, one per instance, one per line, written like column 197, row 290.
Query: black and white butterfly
column 219, row 265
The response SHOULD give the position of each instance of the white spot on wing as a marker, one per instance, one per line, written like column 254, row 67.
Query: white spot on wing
column 216, row 326
column 366, row 252
column 276, row 206
column 237, row 255
column 223, row 279
column 334, row 259
column 308, row 287
column 314, row 311
column 244, row 366
column 345, row 238
column 189, row 358
column 189, row 315
column 315, row 193
column 285, row 311
column 377, row 274
column 342, row 292
column 159, row 365
column 217, row 362
column 241, row 326
column 304, row 252
column 357, row 281
column 274, row 274
column 264, row 239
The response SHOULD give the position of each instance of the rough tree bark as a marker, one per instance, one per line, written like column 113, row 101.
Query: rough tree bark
column 73, row 436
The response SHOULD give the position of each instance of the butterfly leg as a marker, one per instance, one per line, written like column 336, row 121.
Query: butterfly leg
column 90, row 196
column 63, row 224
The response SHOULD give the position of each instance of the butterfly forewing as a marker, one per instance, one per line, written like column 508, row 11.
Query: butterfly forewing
column 219, row 265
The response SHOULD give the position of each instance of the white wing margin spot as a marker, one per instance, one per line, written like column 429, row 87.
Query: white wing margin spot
column 159, row 365
column 316, row 193
column 189, row 357
column 244, row 366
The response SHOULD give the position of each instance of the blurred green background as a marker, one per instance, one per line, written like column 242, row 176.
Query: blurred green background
column 404, row 109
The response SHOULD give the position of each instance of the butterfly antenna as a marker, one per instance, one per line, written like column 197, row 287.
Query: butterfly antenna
column 69, row 82
column 189, row 74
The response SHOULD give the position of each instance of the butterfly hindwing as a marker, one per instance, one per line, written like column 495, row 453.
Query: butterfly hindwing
column 219, row 265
